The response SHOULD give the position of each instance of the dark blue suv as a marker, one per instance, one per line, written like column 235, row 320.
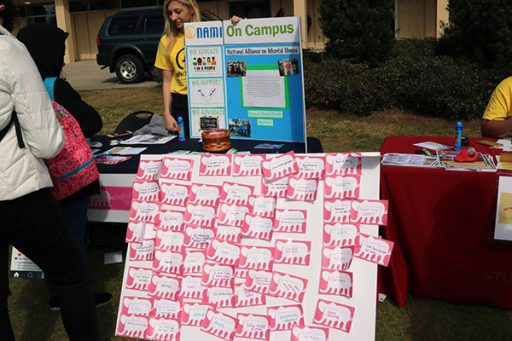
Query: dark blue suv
column 128, row 41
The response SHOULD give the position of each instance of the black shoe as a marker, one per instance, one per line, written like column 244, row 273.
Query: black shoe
column 101, row 299
column 54, row 303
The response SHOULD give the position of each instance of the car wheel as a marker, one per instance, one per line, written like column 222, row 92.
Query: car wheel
column 129, row 69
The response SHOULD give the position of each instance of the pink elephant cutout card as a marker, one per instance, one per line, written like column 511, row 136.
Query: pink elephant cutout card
column 132, row 326
column 220, row 325
column 373, row 249
column 311, row 167
column 231, row 214
column 373, row 212
column 194, row 262
column 204, row 194
column 223, row 252
column 339, row 234
column 219, row 297
column 253, row 326
column 138, row 278
column 258, row 281
column 175, row 168
column 285, row 317
column 145, row 211
column 340, row 164
column 192, row 288
column 168, row 240
column 200, row 215
column 301, row 189
column 135, row 231
column 170, row 262
column 217, row 275
column 256, row 258
column 262, row 206
column 246, row 298
column 257, row 227
column 287, row 286
column 277, row 167
column 171, row 220
column 198, row 237
column 141, row 252
column 337, row 257
column 194, row 313
column 292, row 252
column 290, row 221
column 276, row 188
column 342, row 187
column 215, row 165
column 174, row 194
column 334, row 315
column 149, row 170
column 166, row 308
column 164, row 286
column 247, row 165
column 136, row 306
column 226, row 233
column 233, row 193
column 163, row 329
column 334, row 282
column 146, row 190
column 310, row 333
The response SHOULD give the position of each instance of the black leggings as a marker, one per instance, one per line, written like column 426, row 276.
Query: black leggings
column 179, row 107
column 34, row 225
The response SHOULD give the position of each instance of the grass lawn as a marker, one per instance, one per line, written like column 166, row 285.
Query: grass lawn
column 422, row 319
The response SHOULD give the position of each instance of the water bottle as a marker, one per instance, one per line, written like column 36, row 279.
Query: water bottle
column 458, row 132
column 181, row 135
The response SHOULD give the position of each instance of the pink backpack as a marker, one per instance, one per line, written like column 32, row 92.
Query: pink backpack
column 75, row 166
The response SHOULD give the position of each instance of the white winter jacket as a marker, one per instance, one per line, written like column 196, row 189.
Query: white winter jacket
column 23, row 171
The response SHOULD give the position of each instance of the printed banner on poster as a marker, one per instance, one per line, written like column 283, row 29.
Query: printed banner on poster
column 250, row 72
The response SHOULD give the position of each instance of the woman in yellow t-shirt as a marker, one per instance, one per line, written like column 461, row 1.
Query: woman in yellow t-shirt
column 170, row 58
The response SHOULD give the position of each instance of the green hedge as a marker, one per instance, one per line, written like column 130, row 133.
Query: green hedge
column 436, row 86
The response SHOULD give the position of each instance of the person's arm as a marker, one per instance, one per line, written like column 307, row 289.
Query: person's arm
column 86, row 116
column 497, row 129
column 41, row 131
column 170, row 122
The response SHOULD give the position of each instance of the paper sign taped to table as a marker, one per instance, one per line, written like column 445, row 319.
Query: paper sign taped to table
column 503, row 225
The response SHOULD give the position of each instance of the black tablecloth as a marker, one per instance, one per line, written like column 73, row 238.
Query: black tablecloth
column 130, row 166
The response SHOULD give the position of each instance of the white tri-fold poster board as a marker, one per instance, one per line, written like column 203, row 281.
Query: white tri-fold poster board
column 217, row 252
column 246, row 78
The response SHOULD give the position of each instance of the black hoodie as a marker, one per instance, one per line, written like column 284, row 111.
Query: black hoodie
column 46, row 44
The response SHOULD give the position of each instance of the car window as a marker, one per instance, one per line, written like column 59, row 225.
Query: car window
column 155, row 24
column 123, row 25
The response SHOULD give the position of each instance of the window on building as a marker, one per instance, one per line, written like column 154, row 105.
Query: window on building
column 250, row 8
column 123, row 25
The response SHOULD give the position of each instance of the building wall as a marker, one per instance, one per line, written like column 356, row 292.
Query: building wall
column 420, row 18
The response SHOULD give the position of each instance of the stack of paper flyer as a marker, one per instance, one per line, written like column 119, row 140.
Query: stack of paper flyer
column 410, row 160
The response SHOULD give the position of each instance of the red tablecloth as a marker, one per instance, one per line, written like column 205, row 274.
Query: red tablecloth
column 442, row 223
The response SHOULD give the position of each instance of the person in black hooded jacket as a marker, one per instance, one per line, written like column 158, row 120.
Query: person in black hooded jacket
column 46, row 45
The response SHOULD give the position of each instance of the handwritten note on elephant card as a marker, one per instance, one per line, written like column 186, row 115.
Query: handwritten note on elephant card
column 215, row 165
column 373, row 249
column 280, row 166
column 369, row 212
column 310, row 333
column 334, row 315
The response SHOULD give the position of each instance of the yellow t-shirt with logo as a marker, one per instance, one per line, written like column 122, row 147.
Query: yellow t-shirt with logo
column 175, row 62
column 499, row 107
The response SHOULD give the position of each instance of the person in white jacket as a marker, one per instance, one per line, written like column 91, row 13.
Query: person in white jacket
column 30, row 219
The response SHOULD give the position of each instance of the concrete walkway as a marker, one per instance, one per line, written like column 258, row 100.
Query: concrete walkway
column 88, row 75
